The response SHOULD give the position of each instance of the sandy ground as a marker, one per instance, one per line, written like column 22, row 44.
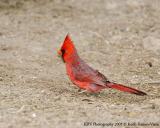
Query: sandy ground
column 120, row 38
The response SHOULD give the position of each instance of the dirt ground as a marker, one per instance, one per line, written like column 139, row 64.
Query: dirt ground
column 120, row 38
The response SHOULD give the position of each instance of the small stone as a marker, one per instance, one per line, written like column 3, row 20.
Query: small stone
column 1, row 79
column 42, row 91
column 153, row 106
column 34, row 115
column 149, row 64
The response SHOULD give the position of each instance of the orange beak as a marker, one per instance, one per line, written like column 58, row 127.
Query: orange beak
column 59, row 52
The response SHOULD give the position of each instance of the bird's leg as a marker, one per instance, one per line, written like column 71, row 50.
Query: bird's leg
column 81, row 91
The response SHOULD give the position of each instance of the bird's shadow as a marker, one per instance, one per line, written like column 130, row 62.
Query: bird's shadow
column 112, row 96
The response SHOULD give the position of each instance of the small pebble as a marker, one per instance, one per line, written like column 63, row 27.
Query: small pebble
column 34, row 115
column 149, row 64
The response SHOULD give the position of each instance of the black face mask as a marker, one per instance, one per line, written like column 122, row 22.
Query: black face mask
column 63, row 52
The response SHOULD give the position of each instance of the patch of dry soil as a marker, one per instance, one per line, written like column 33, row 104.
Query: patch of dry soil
column 118, row 37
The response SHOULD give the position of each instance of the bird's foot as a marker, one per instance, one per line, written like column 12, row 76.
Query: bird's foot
column 81, row 91
column 97, row 94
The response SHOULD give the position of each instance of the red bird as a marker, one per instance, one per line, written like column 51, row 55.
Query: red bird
column 84, row 76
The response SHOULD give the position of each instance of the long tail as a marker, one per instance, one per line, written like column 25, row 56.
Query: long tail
column 126, row 89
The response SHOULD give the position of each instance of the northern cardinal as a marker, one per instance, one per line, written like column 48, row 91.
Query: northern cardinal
column 84, row 76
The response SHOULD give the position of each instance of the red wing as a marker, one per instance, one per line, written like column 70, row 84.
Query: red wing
column 85, row 73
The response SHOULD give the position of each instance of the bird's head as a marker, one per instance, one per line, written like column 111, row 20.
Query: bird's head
column 67, row 49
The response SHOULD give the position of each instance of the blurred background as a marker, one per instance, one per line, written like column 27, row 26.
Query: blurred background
column 120, row 38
